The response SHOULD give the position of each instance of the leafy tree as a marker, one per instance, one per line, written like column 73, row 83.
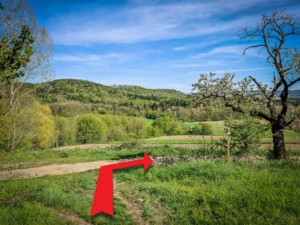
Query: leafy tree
column 251, row 96
column 90, row 129
column 154, row 131
column 137, row 126
column 168, row 125
column 26, row 50
column 15, row 55
column 246, row 133
column 42, row 135
column 28, row 125
column 66, row 131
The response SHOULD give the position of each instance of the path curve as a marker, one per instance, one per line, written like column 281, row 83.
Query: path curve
column 53, row 170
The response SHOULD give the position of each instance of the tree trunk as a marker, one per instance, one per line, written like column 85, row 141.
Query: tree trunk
column 278, row 141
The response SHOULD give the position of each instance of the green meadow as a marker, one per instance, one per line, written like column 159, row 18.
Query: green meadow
column 201, row 192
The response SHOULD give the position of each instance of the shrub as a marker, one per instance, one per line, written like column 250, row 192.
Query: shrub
column 196, row 130
column 246, row 133
column 206, row 129
column 66, row 131
column 168, row 125
column 29, row 125
column 90, row 129
column 137, row 126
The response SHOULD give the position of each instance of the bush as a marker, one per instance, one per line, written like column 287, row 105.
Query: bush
column 30, row 125
column 206, row 129
column 246, row 133
column 196, row 130
column 90, row 129
column 168, row 125
column 137, row 126
column 66, row 131
column 153, row 132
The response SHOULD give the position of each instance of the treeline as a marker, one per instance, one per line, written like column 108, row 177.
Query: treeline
column 34, row 127
column 69, row 97
column 93, row 128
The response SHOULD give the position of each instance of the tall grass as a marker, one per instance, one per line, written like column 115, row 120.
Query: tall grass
column 218, row 193
column 35, row 201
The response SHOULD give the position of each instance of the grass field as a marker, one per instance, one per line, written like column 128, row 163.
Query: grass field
column 149, row 121
column 183, row 193
column 218, row 129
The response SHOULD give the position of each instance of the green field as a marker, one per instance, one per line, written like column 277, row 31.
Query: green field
column 184, row 193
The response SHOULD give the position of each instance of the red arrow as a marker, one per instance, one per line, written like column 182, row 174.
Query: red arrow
column 103, row 198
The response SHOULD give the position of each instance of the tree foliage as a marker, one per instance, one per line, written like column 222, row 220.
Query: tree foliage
column 29, row 125
column 65, row 131
column 15, row 55
column 26, row 50
column 168, row 125
column 90, row 129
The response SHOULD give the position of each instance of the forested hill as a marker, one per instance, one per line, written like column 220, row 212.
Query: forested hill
column 89, row 92
column 131, row 100
column 71, row 97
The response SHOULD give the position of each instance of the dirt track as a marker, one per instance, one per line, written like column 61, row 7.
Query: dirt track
column 53, row 170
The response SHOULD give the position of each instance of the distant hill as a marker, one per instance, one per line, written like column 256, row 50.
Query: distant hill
column 116, row 99
column 90, row 92
column 69, row 97
column 293, row 94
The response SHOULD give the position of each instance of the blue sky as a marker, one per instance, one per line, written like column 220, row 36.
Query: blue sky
column 155, row 44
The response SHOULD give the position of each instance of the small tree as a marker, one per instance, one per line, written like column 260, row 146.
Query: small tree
column 168, row 125
column 90, row 129
column 251, row 96
column 246, row 133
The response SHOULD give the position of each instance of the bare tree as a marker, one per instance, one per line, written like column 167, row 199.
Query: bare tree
column 250, row 96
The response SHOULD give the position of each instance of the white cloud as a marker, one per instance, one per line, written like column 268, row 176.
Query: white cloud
column 149, row 23
column 93, row 58
column 200, row 64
